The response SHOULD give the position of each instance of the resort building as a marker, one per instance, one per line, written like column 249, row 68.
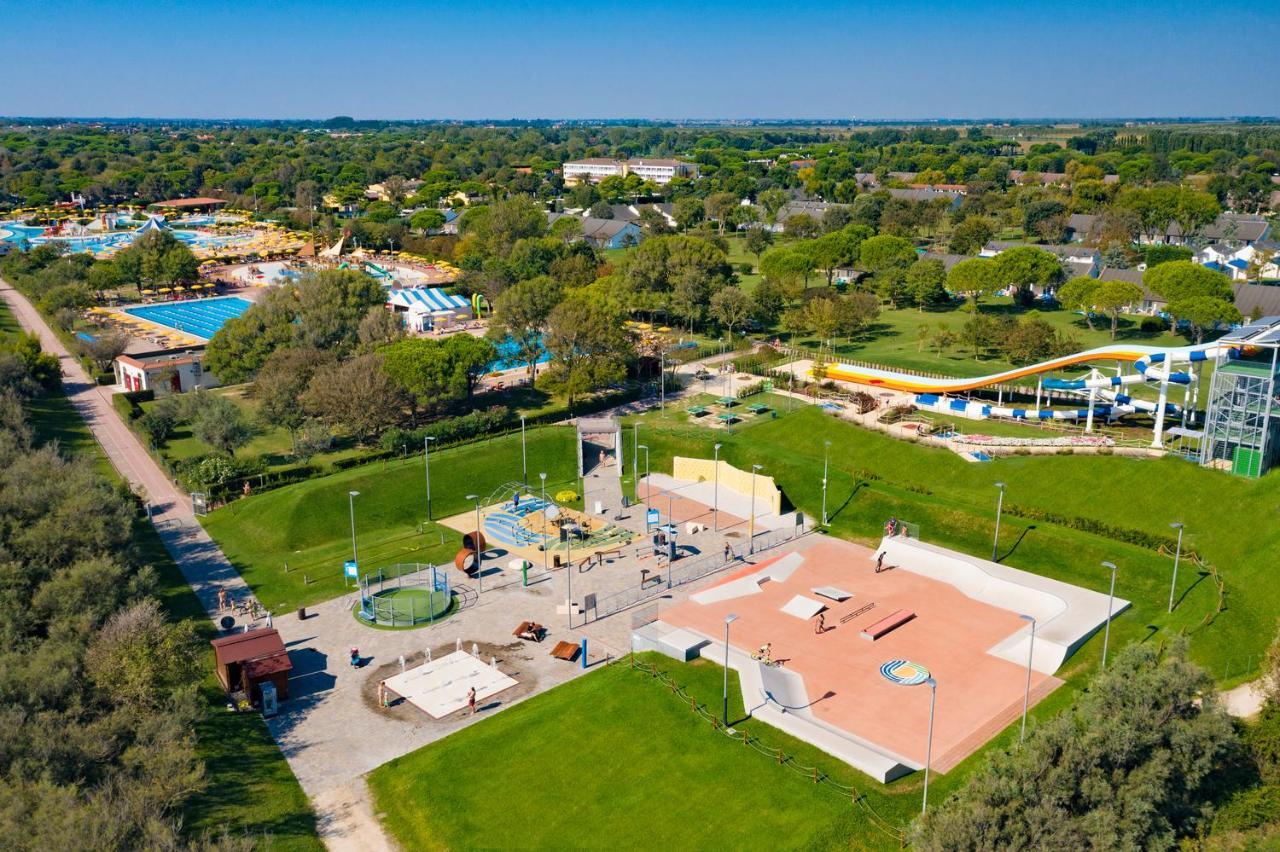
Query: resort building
column 596, row 169
column 171, row 371
column 426, row 309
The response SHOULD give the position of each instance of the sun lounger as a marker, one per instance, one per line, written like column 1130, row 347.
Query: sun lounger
column 888, row 624
column 567, row 651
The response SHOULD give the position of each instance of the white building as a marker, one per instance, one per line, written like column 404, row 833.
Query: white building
column 593, row 169
column 176, row 371
column 661, row 172
column 596, row 169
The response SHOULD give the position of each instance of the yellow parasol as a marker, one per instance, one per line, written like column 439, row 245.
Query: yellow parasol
column 165, row 290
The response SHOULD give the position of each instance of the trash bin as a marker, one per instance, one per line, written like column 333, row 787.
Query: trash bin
column 302, row 613
column 556, row 559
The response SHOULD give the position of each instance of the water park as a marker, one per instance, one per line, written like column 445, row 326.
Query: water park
column 208, row 237
column 1215, row 403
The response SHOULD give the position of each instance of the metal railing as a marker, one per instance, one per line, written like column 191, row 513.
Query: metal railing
column 685, row 571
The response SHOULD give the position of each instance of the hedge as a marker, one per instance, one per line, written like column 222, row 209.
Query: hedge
column 1140, row 538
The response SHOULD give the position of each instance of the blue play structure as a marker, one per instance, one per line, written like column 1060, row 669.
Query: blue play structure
column 198, row 317
column 503, row 524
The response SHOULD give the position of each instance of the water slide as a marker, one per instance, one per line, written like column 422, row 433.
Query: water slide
column 1150, row 363
column 377, row 271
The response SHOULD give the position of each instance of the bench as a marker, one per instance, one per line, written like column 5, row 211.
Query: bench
column 567, row 651
column 889, row 623
column 530, row 631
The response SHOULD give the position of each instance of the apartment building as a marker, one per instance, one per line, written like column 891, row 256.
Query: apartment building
column 596, row 169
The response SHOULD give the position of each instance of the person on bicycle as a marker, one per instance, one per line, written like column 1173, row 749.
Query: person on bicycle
column 765, row 654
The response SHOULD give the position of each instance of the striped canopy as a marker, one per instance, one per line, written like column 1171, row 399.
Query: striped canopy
column 428, row 299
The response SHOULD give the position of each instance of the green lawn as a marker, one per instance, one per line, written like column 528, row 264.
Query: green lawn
column 615, row 760
column 307, row 525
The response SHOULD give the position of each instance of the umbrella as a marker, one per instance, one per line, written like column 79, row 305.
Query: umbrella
column 165, row 290
column 148, row 292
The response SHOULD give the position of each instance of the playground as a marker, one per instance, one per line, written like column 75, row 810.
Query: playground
column 833, row 642
column 517, row 522
column 404, row 595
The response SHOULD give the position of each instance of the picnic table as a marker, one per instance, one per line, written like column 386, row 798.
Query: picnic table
column 728, row 401
column 697, row 410
column 727, row 418
column 758, row 408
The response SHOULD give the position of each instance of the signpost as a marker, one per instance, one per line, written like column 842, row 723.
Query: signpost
column 350, row 569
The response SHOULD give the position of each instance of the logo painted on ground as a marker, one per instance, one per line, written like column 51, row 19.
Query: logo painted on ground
column 904, row 672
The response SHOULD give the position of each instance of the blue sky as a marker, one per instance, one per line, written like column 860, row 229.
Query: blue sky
column 658, row 59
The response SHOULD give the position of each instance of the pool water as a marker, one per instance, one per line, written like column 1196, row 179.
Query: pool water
column 29, row 236
column 199, row 317
column 509, row 357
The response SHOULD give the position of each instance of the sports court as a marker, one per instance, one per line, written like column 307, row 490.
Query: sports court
column 929, row 612
column 440, row 687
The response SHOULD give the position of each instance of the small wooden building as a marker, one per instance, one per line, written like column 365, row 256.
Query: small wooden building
column 246, row 660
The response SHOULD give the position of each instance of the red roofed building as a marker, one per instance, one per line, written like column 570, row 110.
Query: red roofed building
column 247, row 660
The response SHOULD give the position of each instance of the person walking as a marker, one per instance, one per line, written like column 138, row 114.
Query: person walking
column 222, row 600
column 821, row 626
column 471, row 700
column 728, row 552
column 382, row 694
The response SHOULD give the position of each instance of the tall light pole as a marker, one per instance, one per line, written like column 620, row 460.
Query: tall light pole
column 524, row 455
column 635, row 458
column 1177, row 554
column 426, row 465
column 995, row 543
column 928, row 749
column 1026, row 694
column 1106, row 637
column 351, row 502
column 662, row 380
column 826, row 452
column 715, row 494
column 728, row 619
column 648, row 483
column 751, row 533
column 546, row 522
column 479, row 549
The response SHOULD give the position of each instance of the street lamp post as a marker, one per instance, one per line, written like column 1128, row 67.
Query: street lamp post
column 1177, row 554
column 995, row 543
column 524, row 455
column 479, row 549
column 1026, row 695
column 728, row 619
column 546, row 522
column 826, row 452
column 635, row 458
column 715, row 494
column 1106, row 637
column 426, row 465
column 928, row 749
column 751, row 533
column 648, row 483
column 351, row 502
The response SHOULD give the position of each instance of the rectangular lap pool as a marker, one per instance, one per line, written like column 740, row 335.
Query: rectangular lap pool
column 199, row 317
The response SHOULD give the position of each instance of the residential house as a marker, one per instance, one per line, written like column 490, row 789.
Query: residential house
column 953, row 197
column 1151, row 302
column 1239, row 263
column 1076, row 260
column 170, row 371
column 948, row 260
column 1083, row 227
column 606, row 233
column 631, row 212
column 1234, row 229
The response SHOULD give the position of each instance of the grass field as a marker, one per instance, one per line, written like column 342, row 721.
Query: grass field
column 307, row 525
column 615, row 760
column 251, row 790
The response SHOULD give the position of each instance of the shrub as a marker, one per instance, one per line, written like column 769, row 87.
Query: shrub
column 863, row 402
column 449, row 430
column 566, row 496
column 1151, row 325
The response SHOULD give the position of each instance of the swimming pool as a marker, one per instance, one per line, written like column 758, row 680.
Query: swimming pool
column 199, row 317
column 28, row 236
column 509, row 357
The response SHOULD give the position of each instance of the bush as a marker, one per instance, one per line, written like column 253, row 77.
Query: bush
column 1249, row 809
column 128, row 404
column 449, row 430
column 566, row 496
column 745, row 268
column 863, row 402
column 750, row 389
column 1140, row 538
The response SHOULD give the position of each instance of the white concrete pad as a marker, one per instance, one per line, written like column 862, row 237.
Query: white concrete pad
column 832, row 592
column 802, row 607
column 440, row 687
